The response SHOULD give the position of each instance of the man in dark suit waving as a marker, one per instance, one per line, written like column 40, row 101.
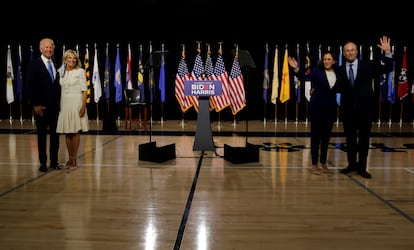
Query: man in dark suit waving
column 358, row 102
column 44, row 96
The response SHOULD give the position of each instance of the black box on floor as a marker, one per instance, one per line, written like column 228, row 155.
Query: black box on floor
column 150, row 152
column 236, row 155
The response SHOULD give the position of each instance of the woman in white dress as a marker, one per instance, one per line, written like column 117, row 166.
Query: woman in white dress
column 73, row 118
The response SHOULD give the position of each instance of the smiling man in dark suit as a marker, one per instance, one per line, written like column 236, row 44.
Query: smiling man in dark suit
column 44, row 97
column 358, row 102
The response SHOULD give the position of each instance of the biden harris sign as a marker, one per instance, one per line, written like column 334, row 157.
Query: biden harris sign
column 202, row 88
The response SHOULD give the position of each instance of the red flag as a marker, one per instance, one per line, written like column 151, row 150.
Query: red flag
column 128, row 73
column 402, row 78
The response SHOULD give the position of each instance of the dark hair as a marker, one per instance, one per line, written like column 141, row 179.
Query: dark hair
column 320, row 63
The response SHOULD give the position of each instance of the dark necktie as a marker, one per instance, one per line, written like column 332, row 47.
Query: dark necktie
column 351, row 75
column 50, row 69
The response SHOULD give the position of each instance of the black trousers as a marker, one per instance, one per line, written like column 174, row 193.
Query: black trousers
column 46, row 125
column 357, row 128
column 321, row 129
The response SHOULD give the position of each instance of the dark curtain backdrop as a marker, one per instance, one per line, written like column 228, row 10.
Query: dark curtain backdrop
column 209, row 21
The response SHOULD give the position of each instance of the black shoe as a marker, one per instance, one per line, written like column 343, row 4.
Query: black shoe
column 43, row 168
column 364, row 174
column 56, row 166
column 347, row 170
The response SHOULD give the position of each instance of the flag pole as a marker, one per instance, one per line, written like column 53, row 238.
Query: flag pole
column 297, row 113
column 275, row 112
column 297, row 87
column 390, row 116
column 379, row 110
column 182, row 123
column 307, row 113
column 97, row 112
column 401, row 114
column 11, row 116
column 337, row 116
column 21, row 113
column 218, row 120
column 286, row 118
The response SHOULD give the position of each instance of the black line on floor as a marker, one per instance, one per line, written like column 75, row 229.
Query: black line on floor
column 399, row 211
column 184, row 219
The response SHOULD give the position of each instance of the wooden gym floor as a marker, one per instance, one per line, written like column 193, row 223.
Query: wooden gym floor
column 200, row 200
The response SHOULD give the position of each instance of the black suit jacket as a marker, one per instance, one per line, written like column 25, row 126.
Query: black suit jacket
column 41, row 89
column 361, row 98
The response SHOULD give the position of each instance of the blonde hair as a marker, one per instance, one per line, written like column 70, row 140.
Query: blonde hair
column 72, row 52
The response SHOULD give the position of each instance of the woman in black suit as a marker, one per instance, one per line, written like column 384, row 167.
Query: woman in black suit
column 322, row 106
column 44, row 97
column 358, row 101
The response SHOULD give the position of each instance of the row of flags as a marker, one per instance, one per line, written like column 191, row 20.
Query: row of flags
column 233, row 92
column 388, row 85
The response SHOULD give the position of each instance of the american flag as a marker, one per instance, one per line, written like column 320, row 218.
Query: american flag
column 181, row 76
column 209, row 74
column 197, row 74
column 220, row 74
column 237, row 94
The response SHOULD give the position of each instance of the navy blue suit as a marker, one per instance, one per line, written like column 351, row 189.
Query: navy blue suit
column 322, row 108
column 43, row 91
column 358, row 106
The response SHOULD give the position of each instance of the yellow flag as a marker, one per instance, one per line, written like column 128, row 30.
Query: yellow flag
column 275, row 80
column 285, row 83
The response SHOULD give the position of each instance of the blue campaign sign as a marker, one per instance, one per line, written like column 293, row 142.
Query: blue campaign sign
column 202, row 88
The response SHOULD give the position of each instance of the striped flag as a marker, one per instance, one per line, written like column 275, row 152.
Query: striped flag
column 128, row 73
column 220, row 74
column 266, row 78
column 197, row 74
column 96, row 79
column 209, row 74
column 10, row 77
column 118, row 78
column 236, row 86
column 275, row 80
column 107, row 75
column 88, row 75
column 182, row 75
column 285, row 85
column 140, row 80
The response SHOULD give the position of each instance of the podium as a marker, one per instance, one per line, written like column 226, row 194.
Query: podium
column 203, row 140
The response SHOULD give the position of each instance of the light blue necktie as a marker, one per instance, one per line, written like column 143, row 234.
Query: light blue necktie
column 351, row 75
column 50, row 69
